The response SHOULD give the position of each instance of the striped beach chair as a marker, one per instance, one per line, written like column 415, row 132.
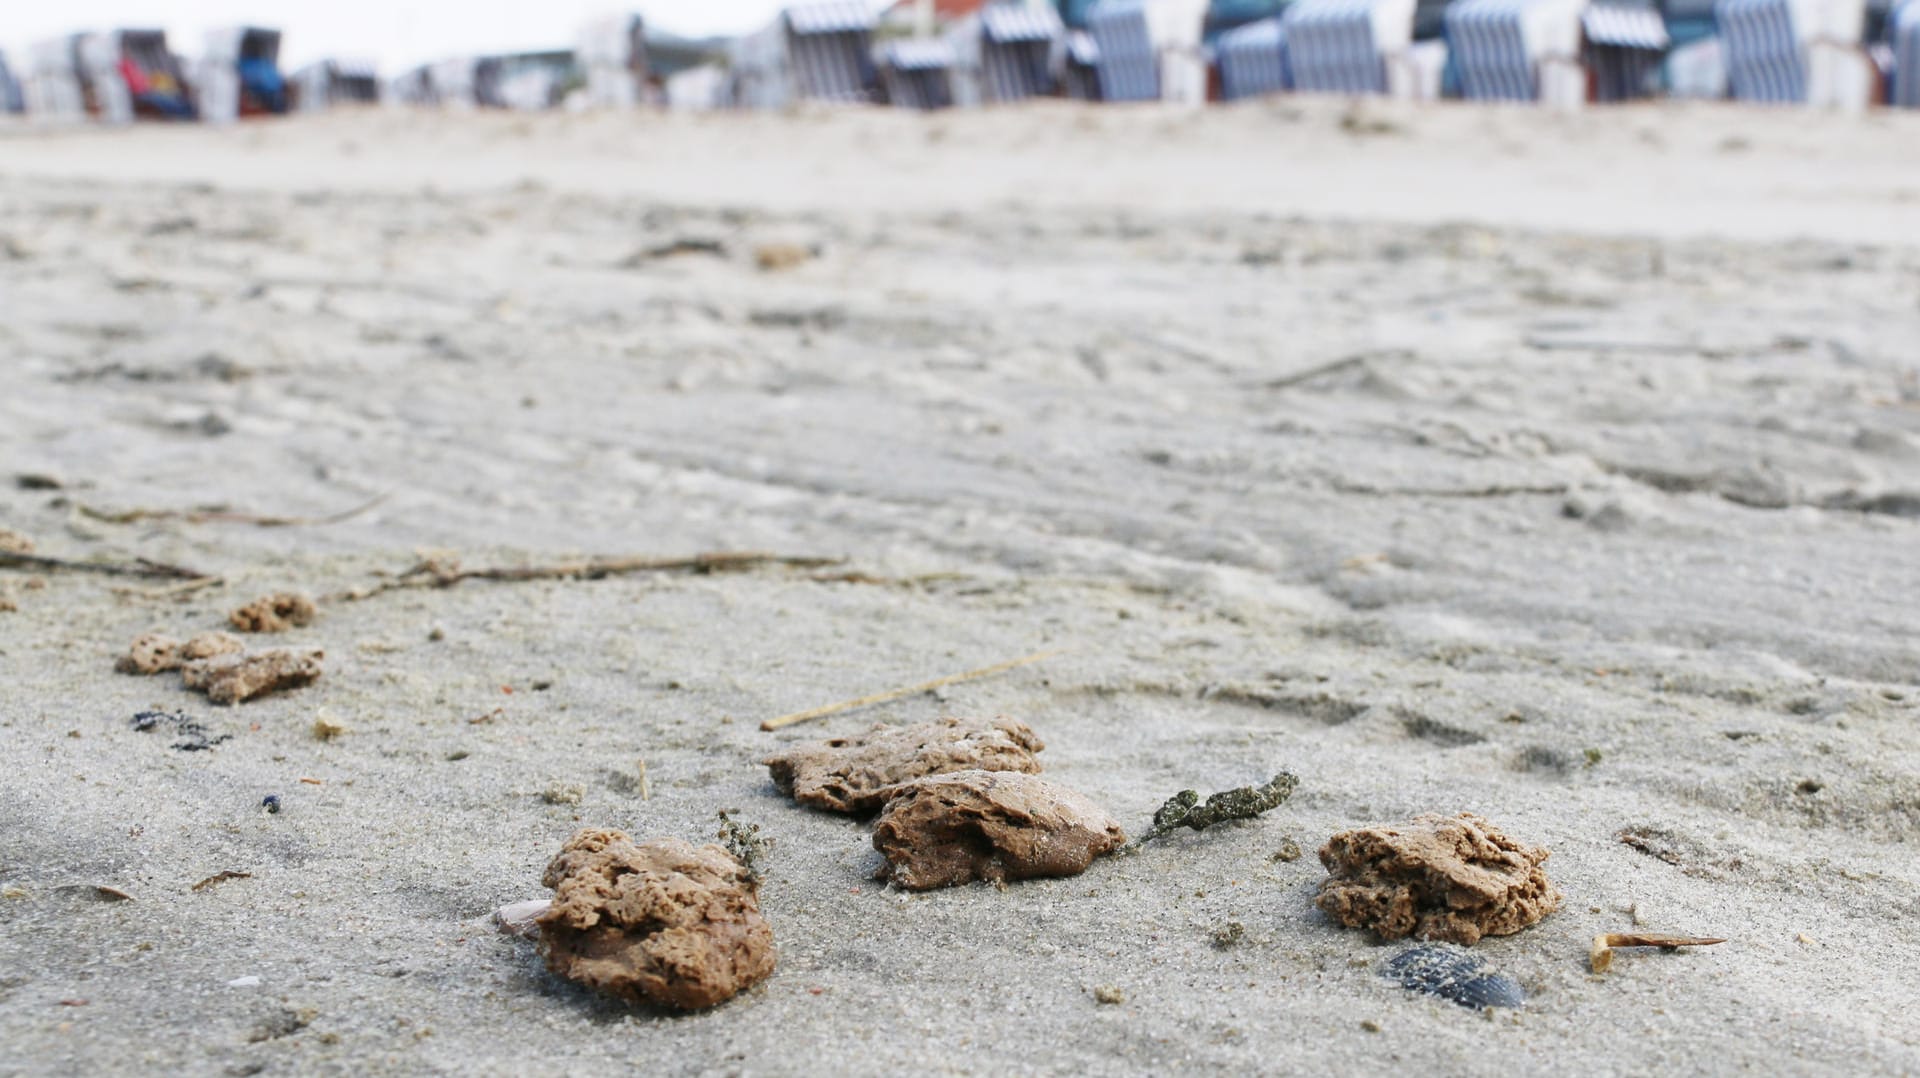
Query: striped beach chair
column 828, row 51
column 326, row 84
column 1764, row 50
column 917, row 73
column 612, row 54
column 1080, row 67
column 1342, row 46
column 811, row 52
column 1503, row 48
column 1016, row 45
column 53, row 89
column 1253, row 60
column 1626, row 45
column 11, row 97
column 1795, row 51
column 1149, row 50
column 1904, row 27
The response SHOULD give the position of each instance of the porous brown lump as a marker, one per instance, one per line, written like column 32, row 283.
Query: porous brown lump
column 848, row 774
column 1453, row 878
column 943, row 830
column 661, row 922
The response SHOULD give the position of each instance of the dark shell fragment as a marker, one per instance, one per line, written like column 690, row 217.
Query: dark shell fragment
column 1448, row 971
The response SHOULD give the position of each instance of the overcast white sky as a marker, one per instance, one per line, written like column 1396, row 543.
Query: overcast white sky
column 393, row 33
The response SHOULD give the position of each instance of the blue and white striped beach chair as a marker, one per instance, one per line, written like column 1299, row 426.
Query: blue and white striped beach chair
column 11, row 98
column 1764, row 50
column 827, row 51
column 1341, row 46
column 1252, row 60
column 811, row 52
column 1080, row 67
column 917, row 73
column 1016, row 51
column 1149, row 50
column 1905, row 31
column 1500, row 47
column 1626, row 44
column 1799, row 51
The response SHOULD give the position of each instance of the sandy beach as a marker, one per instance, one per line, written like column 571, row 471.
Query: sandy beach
column 1564, row 470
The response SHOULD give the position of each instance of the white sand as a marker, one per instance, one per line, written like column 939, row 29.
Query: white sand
column 1611, row 526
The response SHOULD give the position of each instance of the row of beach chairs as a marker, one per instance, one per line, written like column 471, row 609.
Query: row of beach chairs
column 1558, row 52
column 119, row 76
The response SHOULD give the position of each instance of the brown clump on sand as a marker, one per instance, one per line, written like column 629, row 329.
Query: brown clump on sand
column 235, row 676
column 157, row 653
column 662, row 922
column 848, row 774
column 274, row 613
column 1454, row 878
column 12, row 542
column 944, row 830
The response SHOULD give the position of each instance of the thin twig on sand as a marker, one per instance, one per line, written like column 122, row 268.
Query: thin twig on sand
column 442, row 573
column 171, row 591
column 224, row 516
column 896, row 694
column 1601, row 954
column 1287, row 381
column 138, row 567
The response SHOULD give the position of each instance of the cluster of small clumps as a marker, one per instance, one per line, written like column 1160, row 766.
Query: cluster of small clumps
column 219, row 664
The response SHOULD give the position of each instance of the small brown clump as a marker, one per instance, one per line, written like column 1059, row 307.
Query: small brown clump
column 157, row 653
column 663, row 922
column 150, row 653
column 847, row 774
column 1454, row 878
column 12, row 542
column 944, row 830
column 781, row 256
column 233, row 677
column 274, row 613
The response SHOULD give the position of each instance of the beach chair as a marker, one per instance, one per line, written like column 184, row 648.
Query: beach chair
column 1252, row 60
column 1626, row 45
column 326, row 84
column 1795, row 51
column 1903, row 27
column 55, row 90
column 811, row 52
column 1005, row 52
column 1518, row 50
column 917, row 73
column 12, row 99
column 413, row 87
column 612, row 53
column 240, row 75
column 1080, row 67
column 1347, row 46
column 1149, row 50
column 700, row 88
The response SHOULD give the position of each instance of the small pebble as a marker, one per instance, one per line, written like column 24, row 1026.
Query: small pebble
column 271, row 803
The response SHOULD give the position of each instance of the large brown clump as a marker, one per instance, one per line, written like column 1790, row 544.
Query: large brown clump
column 156, row 653
column 664, row 922
column 847, row 774
column 988, row 825
column 233, row 677
column 1437, row 877
column 273, row 613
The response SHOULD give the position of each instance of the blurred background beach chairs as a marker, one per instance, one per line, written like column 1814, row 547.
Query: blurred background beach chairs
column 934, row 54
